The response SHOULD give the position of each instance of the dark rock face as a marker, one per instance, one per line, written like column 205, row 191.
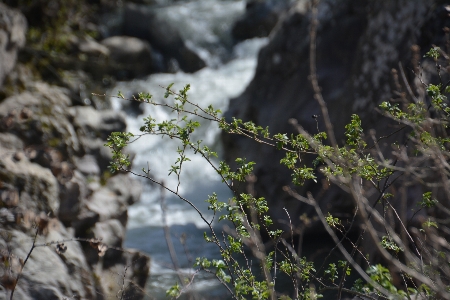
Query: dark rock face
column 359, row 42
column 143, row 23
column 13, row 27
column 259, row 19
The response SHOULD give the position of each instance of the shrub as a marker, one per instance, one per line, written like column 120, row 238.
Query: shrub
column 364, row 169
column 373, row 175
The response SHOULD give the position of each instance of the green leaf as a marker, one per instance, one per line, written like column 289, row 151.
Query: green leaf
column 434, row 53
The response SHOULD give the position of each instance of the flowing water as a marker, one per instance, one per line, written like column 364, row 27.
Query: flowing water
column 206, row 26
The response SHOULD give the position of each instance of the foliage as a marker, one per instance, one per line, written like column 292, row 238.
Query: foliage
column 374, row 173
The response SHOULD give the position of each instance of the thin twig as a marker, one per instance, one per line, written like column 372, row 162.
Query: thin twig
column 313, row 73
column 24, row 262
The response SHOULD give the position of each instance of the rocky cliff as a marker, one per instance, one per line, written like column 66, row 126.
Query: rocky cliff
column 359, row 43
column 62, row 214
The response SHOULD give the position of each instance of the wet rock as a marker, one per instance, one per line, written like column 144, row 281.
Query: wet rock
column 13, row 27
column 129, row 57
column 146, row 24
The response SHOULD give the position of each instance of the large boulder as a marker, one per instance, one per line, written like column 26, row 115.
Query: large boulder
column 145, row 23
column 13, row 27
column 129, row 57
column 359, row 43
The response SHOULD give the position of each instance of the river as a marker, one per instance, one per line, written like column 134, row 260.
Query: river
column 206, row 26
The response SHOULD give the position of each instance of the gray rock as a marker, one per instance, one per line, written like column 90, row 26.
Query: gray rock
column 93, row 128
column 145, row 23
column 129, row 56
column 127, row 189
column 87, row 165
column 13, row 27
column 89, row 46
column 110, row 232
column 46, row 274
column 52, row 165
column 136, row 274
column 85, row 221
column 107, row 205
column 37, row 186
column 112, row 201
column 96, row 148
column 10, row 141
column 94, row 123
column 40, row 117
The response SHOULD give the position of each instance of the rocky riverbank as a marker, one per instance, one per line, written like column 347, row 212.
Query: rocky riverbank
column 62, row 213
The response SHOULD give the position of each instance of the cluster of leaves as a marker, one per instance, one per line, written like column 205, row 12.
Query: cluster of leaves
column 354, row 166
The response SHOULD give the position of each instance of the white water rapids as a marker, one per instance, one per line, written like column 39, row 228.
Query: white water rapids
column 206, row 26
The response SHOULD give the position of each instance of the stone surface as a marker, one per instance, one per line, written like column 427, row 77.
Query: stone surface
column 259, row 19
column 10, row 141
column 89, row 46
column 97, row 124
column 13, row 27
column 146, row 24
column 94, row 127
column 87, row 165
column 139, row 266
column 48, row 275
column 40, row 116
column 71, row 195
column 37, row 187
column 126, row 189
column 129, row 57
column 356, row 52
column 109, row 205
